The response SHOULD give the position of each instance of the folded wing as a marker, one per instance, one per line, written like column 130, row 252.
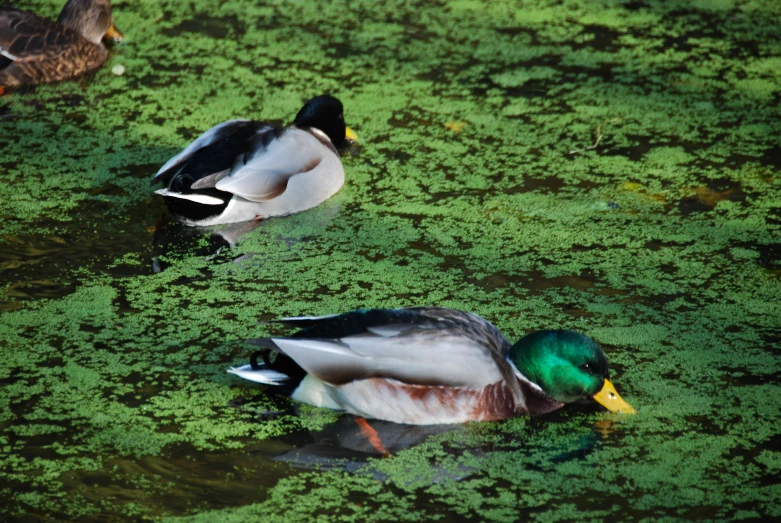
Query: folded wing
column 403, row 344
column 250, row 159
column 262, row 173
column 25, row 37
column 215, row 150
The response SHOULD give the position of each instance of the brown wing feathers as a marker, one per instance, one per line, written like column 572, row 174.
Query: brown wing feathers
column 37, row 50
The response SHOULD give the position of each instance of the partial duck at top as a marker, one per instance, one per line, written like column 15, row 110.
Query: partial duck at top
column 243, row 170
column 34, row 50
column 431, row 365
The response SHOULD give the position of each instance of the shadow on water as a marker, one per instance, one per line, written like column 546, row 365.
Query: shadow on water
column 78, row 198
column 39, row 265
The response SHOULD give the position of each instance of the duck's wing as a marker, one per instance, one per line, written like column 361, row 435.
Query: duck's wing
column 214, row 151
column 263, row 171
column 247, row 158
column 26, row 37
column 421, row 346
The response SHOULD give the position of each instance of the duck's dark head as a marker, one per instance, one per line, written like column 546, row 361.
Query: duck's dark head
column 92, row 19
column 325, row 113
column 568, row 366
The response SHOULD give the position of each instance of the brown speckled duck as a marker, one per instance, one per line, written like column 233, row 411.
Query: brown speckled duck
column 431, row 365
column 34, row 50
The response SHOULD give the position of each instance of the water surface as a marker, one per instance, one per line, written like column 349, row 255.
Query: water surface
column 605, row 166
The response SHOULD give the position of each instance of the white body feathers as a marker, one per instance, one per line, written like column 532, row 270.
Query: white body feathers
column 294, row 171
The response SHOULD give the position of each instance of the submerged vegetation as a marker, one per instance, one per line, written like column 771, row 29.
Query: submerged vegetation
column 609, row 167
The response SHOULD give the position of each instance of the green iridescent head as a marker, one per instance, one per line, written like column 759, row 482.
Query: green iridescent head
column 568, row 366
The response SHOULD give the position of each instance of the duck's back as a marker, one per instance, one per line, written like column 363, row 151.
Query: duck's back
column 424, row 365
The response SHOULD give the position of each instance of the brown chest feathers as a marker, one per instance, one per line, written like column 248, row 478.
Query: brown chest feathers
column 494, row 402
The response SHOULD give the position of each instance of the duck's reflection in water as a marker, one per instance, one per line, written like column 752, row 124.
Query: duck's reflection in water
column 605, row 428
column 347, row 445
column 175, row 239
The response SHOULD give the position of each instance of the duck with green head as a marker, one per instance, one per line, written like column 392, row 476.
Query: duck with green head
column 431, row 365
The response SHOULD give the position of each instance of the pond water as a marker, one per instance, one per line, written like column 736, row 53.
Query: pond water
column 606, row 166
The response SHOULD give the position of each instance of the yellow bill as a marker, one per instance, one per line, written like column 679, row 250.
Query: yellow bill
column 114, row 34
column 350, row 135
column 608, row 397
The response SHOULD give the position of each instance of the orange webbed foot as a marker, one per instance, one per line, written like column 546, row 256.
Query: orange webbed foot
column 371, row 434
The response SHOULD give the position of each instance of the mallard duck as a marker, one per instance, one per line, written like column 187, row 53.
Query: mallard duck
column 34, row 50
column 244, row 170
column 431, row 365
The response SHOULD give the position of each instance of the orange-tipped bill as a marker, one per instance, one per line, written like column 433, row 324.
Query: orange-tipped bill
column 608, row 397
column 114, row 34
column 350, row 135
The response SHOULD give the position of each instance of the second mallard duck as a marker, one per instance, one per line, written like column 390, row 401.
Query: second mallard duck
column 244, row 170
column 34, row 50
column 431, row 365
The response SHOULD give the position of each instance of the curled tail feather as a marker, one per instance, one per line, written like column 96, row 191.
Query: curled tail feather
column 282, row 375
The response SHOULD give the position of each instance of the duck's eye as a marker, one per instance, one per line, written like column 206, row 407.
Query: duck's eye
column 586, row 367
